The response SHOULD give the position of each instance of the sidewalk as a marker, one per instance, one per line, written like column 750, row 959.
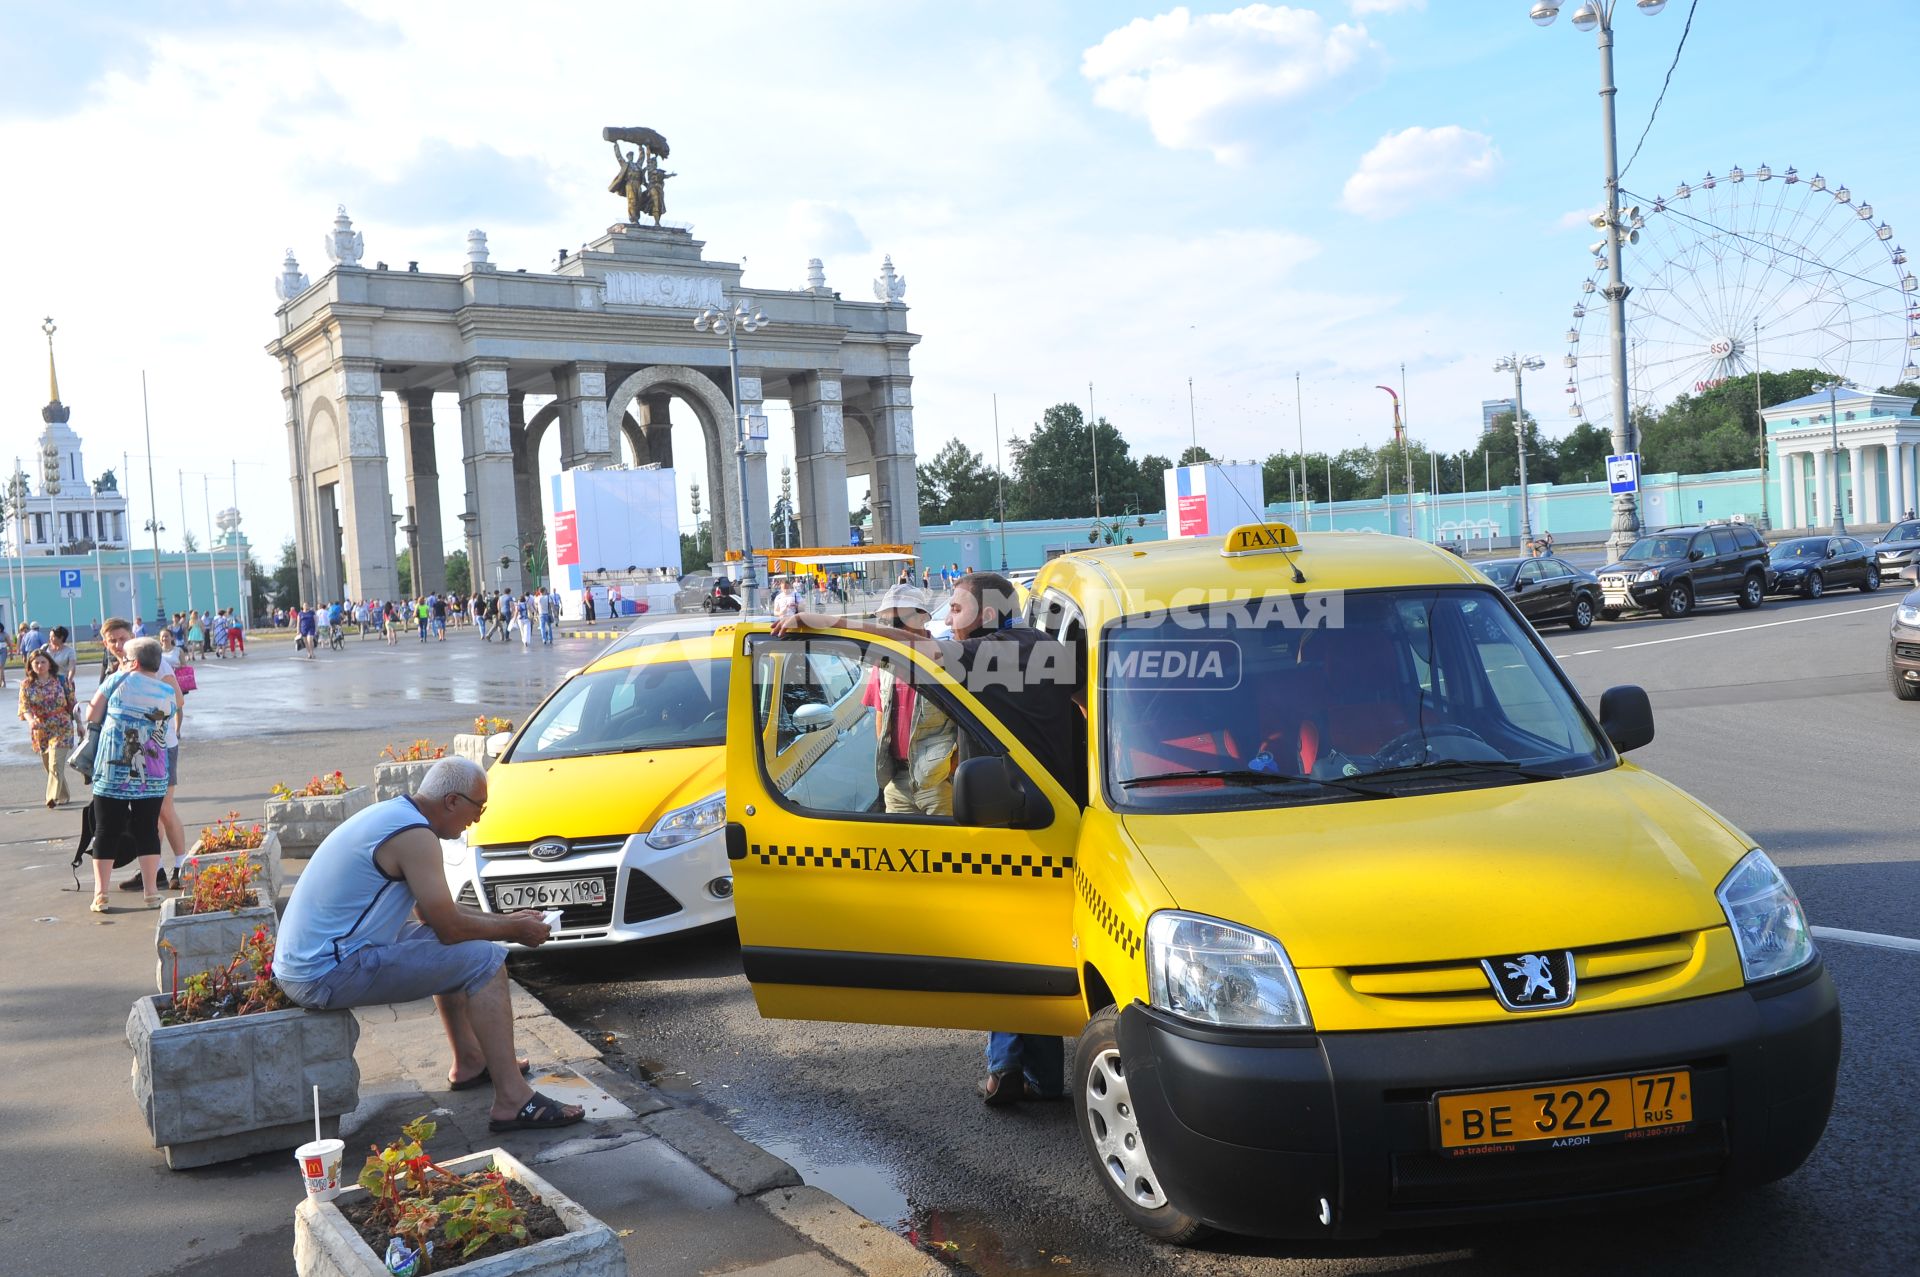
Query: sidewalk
column 82, row 1190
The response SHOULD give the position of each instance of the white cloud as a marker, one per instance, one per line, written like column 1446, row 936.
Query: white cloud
column 1416, row 166
column 1577, row 218
column 824, row 230
column 1215, row 82
column 1361, row 8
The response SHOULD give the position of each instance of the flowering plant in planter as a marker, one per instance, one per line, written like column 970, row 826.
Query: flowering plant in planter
column 412, row 1198
column 228, row 834
column 222, row 886
column 317, row 787
column 243, row 987
column 419, row 751
column 488, row 725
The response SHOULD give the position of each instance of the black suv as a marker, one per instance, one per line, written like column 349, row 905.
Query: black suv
column 1674, row 568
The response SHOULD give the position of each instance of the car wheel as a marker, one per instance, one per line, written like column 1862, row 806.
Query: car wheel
column 1901, row 687
column 1872, row 582
column 1679, row 600
column 1754, row 592
column 1816, row 585
column 1111, row 1132
column 1582, row 613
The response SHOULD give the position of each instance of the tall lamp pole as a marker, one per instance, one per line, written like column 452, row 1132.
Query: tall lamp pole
column 1597, row 16
column 1517, row 365
column 730, row 324
column 1833, row 389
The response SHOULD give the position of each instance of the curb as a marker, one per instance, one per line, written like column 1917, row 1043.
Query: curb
column 750, row 1171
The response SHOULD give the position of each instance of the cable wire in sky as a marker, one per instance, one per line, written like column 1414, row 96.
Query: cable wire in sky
column 1654, row 114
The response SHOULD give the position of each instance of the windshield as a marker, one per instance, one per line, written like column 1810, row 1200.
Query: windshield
column 668, row 704
column 1500, row 573
column 1902, row 532
column 1378, row 694
column 1801, row 549
column 1658, row 548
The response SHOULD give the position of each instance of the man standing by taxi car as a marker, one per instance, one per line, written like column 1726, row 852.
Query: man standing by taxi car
column 1030, row 683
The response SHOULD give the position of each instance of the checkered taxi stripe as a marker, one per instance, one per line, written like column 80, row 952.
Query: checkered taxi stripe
column 996, row 864
column 1109, row 921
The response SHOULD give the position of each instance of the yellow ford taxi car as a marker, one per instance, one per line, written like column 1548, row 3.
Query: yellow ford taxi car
column 607, row 804
column 1366, row 922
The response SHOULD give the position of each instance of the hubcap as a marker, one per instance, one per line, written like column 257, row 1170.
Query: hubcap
column 1116, row 1132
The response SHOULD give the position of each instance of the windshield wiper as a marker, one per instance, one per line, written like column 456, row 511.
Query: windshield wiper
column 1249, row 776
column 1521, row 770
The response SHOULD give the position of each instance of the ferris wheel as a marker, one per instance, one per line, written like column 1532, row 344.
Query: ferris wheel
column 1754, row 269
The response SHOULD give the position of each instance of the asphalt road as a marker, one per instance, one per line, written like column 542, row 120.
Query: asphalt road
column 1780, row 719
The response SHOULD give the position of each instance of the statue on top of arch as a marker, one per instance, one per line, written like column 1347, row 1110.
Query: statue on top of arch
column 640, row 178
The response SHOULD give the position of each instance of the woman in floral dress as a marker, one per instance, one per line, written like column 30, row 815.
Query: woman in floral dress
column 131, row 711
column 46, row 703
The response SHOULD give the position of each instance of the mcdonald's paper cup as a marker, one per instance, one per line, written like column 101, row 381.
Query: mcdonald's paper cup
column 320, row 1167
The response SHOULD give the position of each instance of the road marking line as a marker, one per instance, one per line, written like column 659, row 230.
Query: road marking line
column 1765, row 625
column 1873, row 938
column 1592, row 651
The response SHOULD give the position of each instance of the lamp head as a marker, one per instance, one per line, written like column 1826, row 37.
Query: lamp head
column 1544, row 12
column 1650, row 7
column 1587, row 16
column 1533, row 363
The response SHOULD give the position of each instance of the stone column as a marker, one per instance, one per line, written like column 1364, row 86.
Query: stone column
column 896, row 483
column 488, row 456
column 1789, row 490
column 305, row 546
column 1822, row 499
column 652, row 414
column 526, row 473
column 366, row 514
column 758, row 508
column 1907, row 485
column 1856, row 463
column 585, row 438
column 820, row 452
column 423, row 490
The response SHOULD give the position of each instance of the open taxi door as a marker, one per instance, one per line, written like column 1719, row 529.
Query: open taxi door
column 849, row 912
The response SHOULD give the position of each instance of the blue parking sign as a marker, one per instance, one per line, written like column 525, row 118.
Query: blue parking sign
column 1623, row 473
column 69, row 583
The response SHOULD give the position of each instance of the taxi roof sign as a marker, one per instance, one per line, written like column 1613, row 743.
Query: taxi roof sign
column 1260, row 538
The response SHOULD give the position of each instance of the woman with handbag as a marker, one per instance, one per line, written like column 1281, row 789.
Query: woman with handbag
column 46, row 703
column 131, row 712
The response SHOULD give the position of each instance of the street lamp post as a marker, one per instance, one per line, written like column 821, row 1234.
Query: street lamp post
column 730, row 324
column 1597, row 16
column 1833, row 389
column 153, row 524
column 1517, row 365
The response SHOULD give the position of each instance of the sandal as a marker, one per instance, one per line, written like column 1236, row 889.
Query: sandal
column 152, row 902
column 484, row 1078
column 99, row 904
column 538, row 1113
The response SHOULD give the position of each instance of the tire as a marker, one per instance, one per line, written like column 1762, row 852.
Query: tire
column 1872, row 582
column 1103, row 1109
column 1816, row 585
column 1901, row 688
column 1679, row 600
column 1753, row 591
column 1582, row 613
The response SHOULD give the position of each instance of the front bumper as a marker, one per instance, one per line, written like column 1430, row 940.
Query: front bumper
column 1618, row 593
column 1906, row 653
column 1250, row 1131
column 650, row 892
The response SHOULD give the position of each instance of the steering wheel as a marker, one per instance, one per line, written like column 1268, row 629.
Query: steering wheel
column 1411, row 748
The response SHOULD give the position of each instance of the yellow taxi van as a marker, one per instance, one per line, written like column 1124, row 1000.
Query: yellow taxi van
column 1366, row 922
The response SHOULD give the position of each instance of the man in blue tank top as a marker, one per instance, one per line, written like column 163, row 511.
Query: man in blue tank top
column 371, row 921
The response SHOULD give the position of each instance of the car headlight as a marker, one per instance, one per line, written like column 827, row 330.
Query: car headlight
column 454, row 850
column 1786, row 572
column 1768, row 927
column 688, row 823
column 1908, row 615
column 1647, row 575
column 1213, row 972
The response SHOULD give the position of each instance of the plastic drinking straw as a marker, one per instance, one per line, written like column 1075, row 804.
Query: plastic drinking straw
column 316, row 1113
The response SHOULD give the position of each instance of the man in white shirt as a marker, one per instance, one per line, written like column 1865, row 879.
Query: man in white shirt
column 785, row 603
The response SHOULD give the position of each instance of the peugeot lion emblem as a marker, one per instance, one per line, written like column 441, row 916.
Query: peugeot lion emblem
column 550, row 849
column 1531, row 981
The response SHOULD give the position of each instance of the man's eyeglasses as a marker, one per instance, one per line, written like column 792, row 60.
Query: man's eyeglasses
column 477, row 807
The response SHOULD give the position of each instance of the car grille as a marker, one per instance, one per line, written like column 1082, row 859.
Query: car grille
column 646, row 899
column 1614, row 582
column 1907, row 651
column 571, row 916
column 1596, row 971
column 1432, row 1181
column 576, row 847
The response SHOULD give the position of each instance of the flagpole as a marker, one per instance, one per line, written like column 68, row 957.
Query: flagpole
column 213, row 573
column 133, row 583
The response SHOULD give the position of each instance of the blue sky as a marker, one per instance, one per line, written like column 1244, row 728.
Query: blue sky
column 1123, row 195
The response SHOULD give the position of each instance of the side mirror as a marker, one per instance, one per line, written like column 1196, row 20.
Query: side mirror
column 987, row 794
column 813, row 717
column 1626, row 716
column 1832, row 550
column 497, row 743
column 1519, row 584
column 1696, row 555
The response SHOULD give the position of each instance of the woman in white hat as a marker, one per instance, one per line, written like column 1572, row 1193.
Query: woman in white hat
column 917, row 739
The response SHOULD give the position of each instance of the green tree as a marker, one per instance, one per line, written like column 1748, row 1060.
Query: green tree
column 1195, row 455
column 1581, row 456
column 459, row 578
column 403, row 566
column 1152, row 489
column 957, row 484
column 1908, row 388
column 189, row 543
column 260, row 588
column 1053, row 470
column 285, row 582
column 696, row 549
column 1719, row 428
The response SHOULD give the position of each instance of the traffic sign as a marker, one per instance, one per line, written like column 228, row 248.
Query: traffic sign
column 69, row 583
column 1623, row 473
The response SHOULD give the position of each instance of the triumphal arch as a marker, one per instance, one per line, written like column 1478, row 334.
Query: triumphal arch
column 602, row 343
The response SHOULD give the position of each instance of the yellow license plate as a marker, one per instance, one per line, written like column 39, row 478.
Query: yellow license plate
column 1567, row 1114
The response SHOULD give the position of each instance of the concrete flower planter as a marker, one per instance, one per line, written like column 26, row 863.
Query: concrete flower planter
column 303, row 823
column 226, row 1089
column 272, row 876
column 202, row 941
column 469, row 746
column 399, row 780
column 326, row 1245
